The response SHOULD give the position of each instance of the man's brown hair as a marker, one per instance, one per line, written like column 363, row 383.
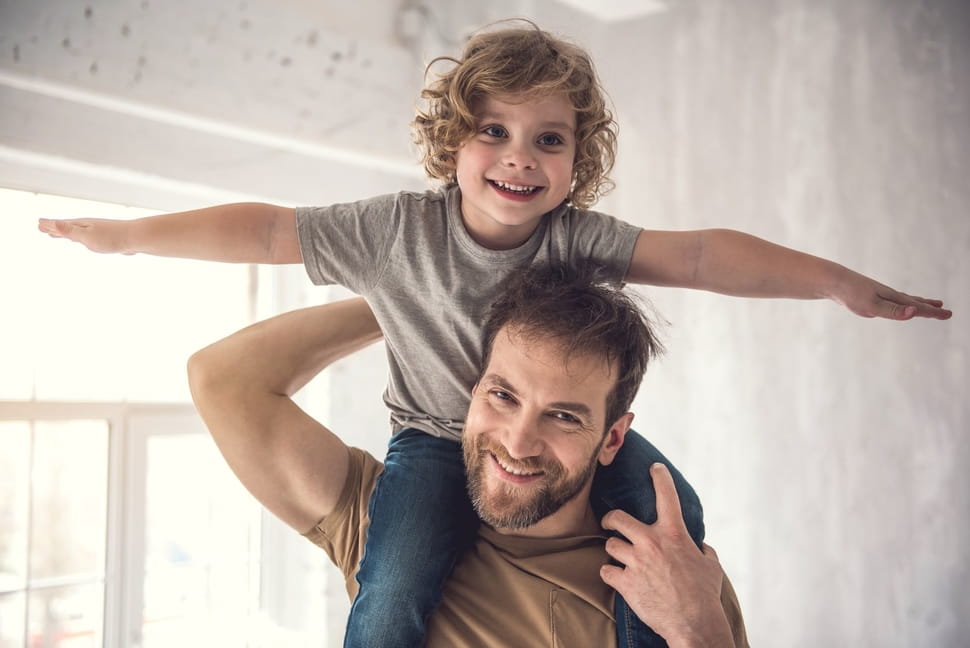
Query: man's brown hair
column 576, row 309
column 521, row 63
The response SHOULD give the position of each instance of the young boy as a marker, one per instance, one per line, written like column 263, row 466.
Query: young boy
column 519, row 133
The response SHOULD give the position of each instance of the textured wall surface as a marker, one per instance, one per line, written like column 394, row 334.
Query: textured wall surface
column 830, row 450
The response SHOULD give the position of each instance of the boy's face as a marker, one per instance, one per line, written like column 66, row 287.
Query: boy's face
column 517, row 167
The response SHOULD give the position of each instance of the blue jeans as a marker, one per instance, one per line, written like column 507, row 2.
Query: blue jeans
column 421, row 521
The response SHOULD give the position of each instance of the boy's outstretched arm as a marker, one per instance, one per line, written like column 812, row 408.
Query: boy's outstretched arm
column 734, row 263
column 235, row 233
column 242, row 387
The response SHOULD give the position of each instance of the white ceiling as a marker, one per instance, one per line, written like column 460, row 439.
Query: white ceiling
column 617, row 10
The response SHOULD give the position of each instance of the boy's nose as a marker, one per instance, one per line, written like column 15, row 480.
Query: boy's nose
column 519, row 157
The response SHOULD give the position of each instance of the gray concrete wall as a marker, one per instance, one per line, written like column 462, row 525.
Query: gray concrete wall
column 829, row 450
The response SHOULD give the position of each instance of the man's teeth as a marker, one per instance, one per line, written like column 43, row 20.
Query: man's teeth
column 515, row 188
column 515, row 471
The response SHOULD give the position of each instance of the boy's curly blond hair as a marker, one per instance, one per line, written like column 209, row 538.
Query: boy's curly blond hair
column 525, row 64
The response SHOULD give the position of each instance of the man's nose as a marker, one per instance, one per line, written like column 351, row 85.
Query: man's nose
column 522, row 438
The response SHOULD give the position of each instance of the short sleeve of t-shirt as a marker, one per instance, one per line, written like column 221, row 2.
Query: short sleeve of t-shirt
column 342, row 533
column 349, row 243
column 430, row 285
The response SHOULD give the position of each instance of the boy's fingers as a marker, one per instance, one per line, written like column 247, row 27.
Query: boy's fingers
column 894, row 311
column 54, row 227
column 901, row 307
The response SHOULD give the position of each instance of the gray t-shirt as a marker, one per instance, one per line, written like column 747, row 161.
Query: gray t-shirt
column 430, row 285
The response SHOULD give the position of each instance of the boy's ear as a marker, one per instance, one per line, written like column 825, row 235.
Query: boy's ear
column 615, row 436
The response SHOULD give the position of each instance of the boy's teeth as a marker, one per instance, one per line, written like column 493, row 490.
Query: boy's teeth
column 512, row 187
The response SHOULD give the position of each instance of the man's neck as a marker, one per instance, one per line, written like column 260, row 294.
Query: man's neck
column 573, row 519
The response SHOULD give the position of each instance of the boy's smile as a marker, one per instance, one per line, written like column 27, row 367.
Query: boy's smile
column 517, row 167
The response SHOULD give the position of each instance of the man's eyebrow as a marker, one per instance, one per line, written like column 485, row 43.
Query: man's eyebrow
column 498, row 381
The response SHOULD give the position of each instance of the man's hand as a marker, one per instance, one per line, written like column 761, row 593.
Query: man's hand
column 868, row 298
column 668, row 582
column 96, row 234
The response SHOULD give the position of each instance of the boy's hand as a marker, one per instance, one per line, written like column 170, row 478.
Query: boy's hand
column 668, row 582
column 868, row 298
column 96, row 234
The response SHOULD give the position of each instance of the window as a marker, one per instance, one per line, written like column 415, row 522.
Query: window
column 52, row 550
column 120, row 524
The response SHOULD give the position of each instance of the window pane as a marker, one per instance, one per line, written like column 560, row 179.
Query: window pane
column 202, row 537
column 14, row 502
column 67, row 617
column 12, row 620
column 69, row 507
column 104, row 327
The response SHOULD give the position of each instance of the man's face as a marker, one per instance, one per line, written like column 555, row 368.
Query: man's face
column 535, row 433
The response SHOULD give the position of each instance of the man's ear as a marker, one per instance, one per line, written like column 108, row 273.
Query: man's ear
column 615, row 437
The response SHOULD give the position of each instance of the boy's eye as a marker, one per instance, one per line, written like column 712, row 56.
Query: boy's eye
column 494, row 131
column 550, row 139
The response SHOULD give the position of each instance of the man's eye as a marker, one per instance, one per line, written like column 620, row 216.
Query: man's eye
column 550, row 139
column 494, row 131
column 501, row 395
column 565, row 417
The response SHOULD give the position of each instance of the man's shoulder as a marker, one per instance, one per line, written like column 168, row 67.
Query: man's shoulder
column 342, row 533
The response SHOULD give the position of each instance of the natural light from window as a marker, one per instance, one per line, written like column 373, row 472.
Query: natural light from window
column 83, row 326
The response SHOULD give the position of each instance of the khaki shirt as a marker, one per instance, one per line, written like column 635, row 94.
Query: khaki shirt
column 507, row 590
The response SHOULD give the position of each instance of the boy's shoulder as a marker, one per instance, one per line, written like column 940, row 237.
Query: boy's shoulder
column 432, row 197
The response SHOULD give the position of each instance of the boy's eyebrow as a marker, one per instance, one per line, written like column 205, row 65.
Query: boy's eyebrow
column 489, row 116
column 580, row 409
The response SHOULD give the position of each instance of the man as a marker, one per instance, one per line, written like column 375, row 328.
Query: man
column 563, row 359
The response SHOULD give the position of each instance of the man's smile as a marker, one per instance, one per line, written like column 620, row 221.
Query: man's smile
column 513, row 474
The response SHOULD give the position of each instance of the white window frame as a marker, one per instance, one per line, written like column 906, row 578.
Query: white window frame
column 125, row 532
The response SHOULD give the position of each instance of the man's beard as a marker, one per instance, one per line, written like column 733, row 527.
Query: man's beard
column 517, row 507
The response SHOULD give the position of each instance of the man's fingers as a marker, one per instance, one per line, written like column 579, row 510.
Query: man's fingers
column 620, row 550
column 709, row 551
column 611, row 575
column 668, row 502
column 622, row 522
